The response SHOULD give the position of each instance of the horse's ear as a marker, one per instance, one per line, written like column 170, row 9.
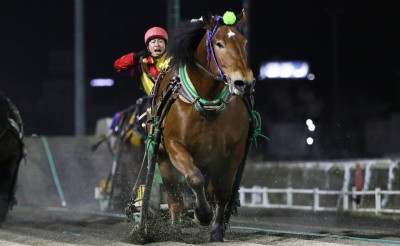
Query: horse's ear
column 209, row 21
column 241, row 18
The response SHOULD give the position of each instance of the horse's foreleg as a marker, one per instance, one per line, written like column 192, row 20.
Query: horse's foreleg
column 222, row 189
column 203, row 213
column 183, row 161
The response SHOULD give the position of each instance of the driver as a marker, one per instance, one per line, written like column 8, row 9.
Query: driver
column 147, row 63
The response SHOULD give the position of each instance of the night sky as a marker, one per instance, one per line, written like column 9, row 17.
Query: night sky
column 352, row 48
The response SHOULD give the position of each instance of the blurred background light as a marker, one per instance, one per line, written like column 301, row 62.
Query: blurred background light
column 311, row 76
column 284, row 70
column 101, row 82
column 310, row 124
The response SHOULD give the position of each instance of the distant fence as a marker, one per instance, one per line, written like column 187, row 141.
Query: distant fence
column 324, row 185
column 260, row 197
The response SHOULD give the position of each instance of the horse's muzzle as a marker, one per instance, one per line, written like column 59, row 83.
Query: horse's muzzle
column 241, row 87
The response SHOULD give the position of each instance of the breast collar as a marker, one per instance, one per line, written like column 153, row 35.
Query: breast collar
column 188, row 94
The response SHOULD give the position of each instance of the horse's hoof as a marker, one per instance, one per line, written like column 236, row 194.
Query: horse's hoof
column 216, row 237
column 136, row 236
column 216, row 234
column 203, row 218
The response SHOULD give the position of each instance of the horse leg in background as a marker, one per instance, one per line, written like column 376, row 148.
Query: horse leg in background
column 183, row 162
column 6, row 175
column 170, row 177
column 8, row 169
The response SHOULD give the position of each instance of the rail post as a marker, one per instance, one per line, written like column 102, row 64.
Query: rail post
column 353, row 196
column 242, row 196
column 316, row 200
column 256, row 195
column 377, row 200
column 289, row 196
column 345, row 200
column 265, row 200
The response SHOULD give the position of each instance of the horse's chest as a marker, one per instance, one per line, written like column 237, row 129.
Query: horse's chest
column 208, row 146
column 207, row 139
column 207, row 152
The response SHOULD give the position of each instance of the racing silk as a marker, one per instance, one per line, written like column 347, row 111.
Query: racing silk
column 147, row 68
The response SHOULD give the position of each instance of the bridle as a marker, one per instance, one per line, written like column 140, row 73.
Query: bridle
column 210, row 50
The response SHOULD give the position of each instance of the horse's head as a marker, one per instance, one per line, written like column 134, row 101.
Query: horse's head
column 226, row 48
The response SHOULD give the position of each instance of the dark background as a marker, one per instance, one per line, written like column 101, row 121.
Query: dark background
column 352, row 47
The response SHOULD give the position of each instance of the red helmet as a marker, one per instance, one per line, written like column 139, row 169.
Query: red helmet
column 155, row 32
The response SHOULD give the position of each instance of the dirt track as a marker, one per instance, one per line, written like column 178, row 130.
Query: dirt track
column 253, row 227
column 79, row 171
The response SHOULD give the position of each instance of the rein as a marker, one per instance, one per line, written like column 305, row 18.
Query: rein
column 216, row 77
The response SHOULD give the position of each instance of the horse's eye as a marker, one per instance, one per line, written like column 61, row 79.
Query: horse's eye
column 220, row 45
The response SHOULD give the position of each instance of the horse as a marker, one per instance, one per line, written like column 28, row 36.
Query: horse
column 207, row 128
column 11, row 153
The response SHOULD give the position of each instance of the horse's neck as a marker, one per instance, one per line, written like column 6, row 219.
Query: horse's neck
column 206, row 86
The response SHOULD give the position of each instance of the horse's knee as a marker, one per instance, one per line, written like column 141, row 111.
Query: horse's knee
column 195, row 179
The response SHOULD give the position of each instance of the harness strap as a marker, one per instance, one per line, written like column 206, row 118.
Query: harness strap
column 156, row 86
column 144, row 70
column 167, row 98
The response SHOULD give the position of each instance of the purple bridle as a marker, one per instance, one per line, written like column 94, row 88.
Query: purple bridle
column 210, row 48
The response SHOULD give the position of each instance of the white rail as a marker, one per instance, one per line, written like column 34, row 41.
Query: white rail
column 259, row 197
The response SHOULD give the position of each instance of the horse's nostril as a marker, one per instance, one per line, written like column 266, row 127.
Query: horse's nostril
column 239, row 83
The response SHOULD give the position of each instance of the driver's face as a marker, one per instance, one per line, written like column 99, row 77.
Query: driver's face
column 157, row 47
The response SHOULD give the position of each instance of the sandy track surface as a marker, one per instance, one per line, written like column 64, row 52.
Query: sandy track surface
column 252, row 227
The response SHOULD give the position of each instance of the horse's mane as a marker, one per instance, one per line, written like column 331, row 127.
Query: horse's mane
column 185, row 40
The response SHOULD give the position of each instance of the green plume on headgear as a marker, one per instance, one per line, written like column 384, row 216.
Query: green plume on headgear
column 229, row 18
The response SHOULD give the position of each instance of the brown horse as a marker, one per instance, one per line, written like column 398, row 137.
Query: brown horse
column 205, row 133
column 11, row 152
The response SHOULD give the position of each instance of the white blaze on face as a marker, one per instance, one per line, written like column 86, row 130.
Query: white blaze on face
column 230, row 33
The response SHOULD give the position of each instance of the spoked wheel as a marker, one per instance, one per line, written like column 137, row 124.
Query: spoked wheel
column 115, row 191
column 108, row 186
